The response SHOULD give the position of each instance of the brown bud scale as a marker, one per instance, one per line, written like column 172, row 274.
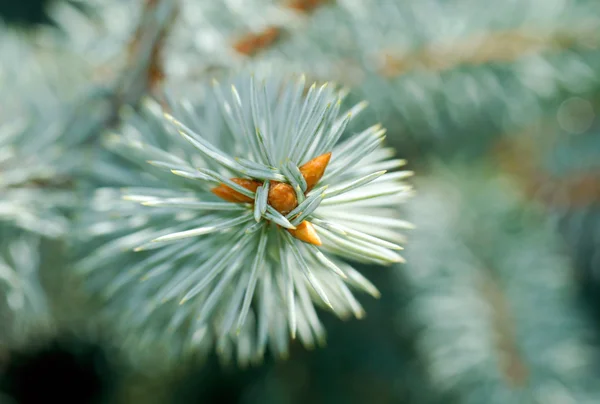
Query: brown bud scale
column 282, row 197
column 306, row 232
column 313, row 170
column 230, row 195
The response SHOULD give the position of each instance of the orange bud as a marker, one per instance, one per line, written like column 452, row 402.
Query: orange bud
column 306, row 232
column 230, row 195
column 282, row 197
column 313, row 170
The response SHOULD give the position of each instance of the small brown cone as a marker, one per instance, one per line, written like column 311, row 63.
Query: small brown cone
column 313, row 170
column 282, row 197
column 231, row 195
column 306, row 232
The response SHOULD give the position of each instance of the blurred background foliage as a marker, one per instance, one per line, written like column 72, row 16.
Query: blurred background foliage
column 494, row 104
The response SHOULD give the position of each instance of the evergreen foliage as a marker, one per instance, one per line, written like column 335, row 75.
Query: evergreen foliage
column 190, row 132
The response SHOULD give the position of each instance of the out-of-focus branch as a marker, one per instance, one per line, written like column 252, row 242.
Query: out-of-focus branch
column 520, row 157
column 145, row 67
column 252, row 43
column 511, row 363
column 502, row 46
column 141, row 74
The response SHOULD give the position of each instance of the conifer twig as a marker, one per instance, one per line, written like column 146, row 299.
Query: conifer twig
column 494, row 47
